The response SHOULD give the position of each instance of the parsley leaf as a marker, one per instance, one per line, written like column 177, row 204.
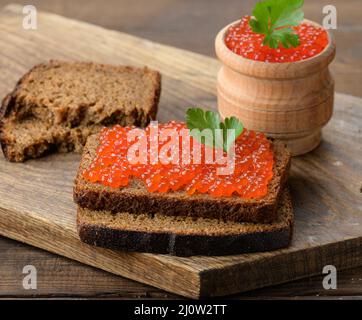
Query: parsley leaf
column 274, row 19
column 199, row 119
column 230, row 136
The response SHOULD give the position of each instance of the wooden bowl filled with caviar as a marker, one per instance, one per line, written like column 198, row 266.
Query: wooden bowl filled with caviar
column 275, row 74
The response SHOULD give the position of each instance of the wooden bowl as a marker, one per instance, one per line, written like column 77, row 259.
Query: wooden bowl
column 291, row 101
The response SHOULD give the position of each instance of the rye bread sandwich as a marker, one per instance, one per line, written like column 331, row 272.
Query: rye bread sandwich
column 55, row 106
column 183, row 209
column 135, row 198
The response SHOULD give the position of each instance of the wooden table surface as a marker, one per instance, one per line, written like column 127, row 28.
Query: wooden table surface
column 191, row 25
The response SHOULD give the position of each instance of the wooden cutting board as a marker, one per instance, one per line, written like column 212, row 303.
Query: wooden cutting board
column 36, row 204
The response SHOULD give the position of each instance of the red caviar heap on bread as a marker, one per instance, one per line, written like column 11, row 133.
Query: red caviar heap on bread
column 250, row 177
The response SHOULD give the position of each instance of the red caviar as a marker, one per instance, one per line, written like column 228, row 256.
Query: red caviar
column 252, row 172
column 243, row 41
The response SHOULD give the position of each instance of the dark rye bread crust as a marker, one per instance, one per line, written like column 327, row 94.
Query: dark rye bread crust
column 22, row 105
column 255, row 238
column 136, row 199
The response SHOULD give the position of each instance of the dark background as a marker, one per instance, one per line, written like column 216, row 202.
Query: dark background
column 191, row 25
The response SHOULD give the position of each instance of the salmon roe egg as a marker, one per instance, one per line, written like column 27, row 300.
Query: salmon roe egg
column 254, row 161
column 243, row 41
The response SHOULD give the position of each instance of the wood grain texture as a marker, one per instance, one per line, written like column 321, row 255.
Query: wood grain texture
column 61, row 277
column 325, row 184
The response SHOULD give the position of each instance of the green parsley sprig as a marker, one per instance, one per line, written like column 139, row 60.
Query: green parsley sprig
column 197, row 118
column 274, row 19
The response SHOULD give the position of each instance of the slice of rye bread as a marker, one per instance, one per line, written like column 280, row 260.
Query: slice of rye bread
column 56, row 105
column 185, row 236
column 136, row 199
